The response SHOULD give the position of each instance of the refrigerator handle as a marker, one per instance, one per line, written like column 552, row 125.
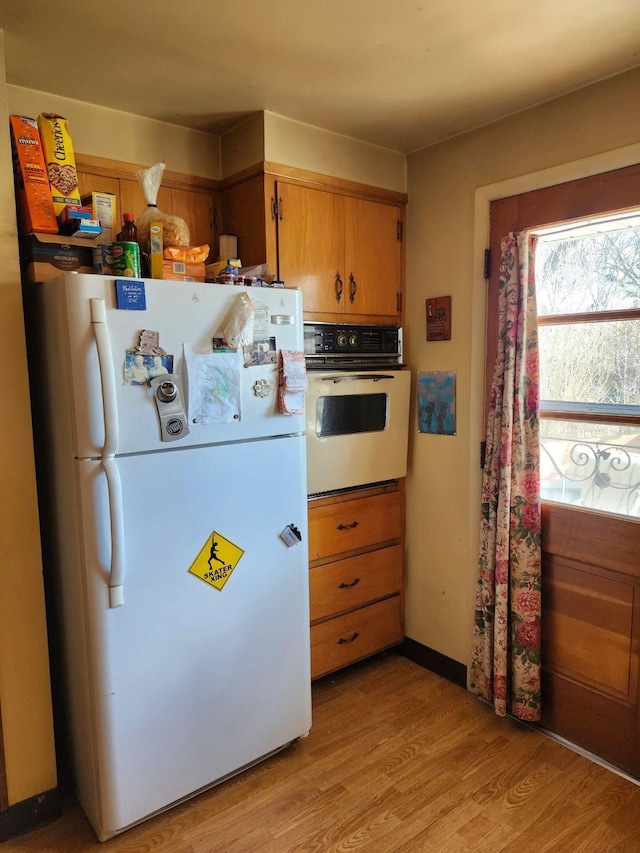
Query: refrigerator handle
column 107, row 374
column 108, row 381
column 116, row 575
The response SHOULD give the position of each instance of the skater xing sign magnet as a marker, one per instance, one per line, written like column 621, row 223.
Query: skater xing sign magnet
column 216, row 561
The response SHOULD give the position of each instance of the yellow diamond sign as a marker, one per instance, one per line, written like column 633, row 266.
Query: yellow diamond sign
column 217, row 560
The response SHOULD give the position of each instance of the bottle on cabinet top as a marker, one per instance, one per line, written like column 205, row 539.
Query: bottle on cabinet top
column 129, row 229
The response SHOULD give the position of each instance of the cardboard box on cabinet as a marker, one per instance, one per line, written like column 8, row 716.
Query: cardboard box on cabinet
column 45, row 256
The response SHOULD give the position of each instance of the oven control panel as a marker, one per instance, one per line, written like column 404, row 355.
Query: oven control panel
column 327, row 344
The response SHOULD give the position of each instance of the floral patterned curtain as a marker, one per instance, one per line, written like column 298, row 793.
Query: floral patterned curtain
column 505, row 666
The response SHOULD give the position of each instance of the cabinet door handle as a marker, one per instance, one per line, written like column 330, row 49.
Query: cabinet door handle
column 349, row 585
column 274, row 208
column 344, row 640
column 347, row 526
column 339, row 287
column 354, row 288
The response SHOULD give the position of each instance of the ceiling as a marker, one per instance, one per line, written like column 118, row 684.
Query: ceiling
column 402, row 74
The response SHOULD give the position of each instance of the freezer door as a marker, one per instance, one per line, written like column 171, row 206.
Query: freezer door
column 226, row 396
column 189, row 681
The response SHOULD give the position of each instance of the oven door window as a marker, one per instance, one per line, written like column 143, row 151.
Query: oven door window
column 346, row 414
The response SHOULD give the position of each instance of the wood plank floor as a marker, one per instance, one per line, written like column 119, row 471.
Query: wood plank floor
column 399, row 760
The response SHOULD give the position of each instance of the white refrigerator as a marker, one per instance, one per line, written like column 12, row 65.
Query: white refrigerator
column 175, row 530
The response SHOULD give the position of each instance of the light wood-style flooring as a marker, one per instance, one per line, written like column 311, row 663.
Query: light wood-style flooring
column 399, row 760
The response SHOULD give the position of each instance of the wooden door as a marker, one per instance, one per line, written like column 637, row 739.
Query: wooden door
column 373, row 258
column 590, row 561
column 311, row 246
column 591, row 631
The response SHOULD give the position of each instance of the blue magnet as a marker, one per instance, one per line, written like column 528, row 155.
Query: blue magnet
column 130, row 294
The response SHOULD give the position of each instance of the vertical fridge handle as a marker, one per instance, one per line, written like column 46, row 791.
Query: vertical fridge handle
column 108, row 377
column 114, row 486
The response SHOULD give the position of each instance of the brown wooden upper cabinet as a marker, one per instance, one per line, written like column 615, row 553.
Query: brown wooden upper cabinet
column 194, row 199
column 344, row 251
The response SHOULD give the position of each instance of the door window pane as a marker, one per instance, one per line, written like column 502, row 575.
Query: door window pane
column 591, row 465
column 595, row 272
column 590, row 367
column 591, row 362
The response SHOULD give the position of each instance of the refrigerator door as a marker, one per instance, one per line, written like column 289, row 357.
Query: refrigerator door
column 193, row 678
column 227, row 396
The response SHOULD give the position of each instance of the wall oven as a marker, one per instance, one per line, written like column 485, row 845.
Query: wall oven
column 357, row 406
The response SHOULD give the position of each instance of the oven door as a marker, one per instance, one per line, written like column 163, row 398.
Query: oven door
column 357, row 428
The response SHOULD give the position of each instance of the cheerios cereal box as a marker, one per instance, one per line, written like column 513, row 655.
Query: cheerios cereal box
column 61, row 163
column 33, row 193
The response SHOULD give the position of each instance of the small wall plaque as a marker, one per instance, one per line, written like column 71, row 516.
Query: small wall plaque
column 439, row 318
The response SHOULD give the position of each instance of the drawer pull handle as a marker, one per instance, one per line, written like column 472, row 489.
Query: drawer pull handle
column 344, row 640
column 349, row 585
column 348, row 526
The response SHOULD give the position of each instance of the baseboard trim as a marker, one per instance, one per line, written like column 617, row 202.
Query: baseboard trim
column 29, row 814
column 448, row 668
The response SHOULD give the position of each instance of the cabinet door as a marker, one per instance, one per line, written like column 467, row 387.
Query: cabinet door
column 311, row 245
column 196, row 208
column 132, row 198
column 373, row 257
column 243, row 214
column 88, row 182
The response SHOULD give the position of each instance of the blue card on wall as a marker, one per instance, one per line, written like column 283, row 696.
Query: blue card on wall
column 130, row 294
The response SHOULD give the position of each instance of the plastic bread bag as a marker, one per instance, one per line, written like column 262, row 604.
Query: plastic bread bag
column 175, row 231
column 238, row 330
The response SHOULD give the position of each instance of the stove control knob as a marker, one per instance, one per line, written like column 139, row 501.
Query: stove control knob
column 353, row 340
column 341, row 340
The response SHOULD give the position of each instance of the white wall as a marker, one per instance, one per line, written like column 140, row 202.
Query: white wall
column 316, row 150
column 121, row 136
column 589, row 131
column 243, row 146
column 268, row 136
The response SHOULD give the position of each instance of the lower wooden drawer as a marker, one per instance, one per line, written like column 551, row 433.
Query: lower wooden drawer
column 355, row 635
column 354, row 582
column 346, row 526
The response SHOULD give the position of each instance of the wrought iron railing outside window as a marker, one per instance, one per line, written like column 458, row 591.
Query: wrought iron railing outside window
column 598, row 475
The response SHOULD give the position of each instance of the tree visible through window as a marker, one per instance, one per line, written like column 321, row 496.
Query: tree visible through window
column 588, row 293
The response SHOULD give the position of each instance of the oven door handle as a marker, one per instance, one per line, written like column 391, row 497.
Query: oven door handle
column 351, row 377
